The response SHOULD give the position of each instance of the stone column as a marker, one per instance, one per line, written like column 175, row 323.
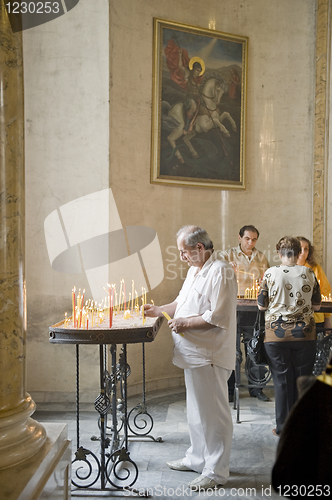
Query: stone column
column 322, row 98
column 20, row 435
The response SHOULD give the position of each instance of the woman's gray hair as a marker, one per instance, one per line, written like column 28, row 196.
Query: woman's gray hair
column 194, row 235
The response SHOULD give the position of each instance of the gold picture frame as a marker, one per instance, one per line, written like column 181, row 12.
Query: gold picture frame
column 198, row 106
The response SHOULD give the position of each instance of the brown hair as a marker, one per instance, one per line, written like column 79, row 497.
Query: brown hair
column 311, row 255
column 289, row 246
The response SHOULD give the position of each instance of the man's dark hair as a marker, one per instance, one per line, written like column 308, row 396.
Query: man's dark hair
column 248, row 228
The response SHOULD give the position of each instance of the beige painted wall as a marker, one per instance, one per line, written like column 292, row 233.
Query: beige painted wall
column 67, row 156
column 76, row 144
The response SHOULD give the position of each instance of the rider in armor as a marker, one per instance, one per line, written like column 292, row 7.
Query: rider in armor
column 187, row 78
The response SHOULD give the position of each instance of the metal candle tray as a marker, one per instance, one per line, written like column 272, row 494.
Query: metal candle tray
column 137, row 334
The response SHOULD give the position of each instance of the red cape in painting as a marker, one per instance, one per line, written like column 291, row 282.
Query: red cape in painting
column 172, row 60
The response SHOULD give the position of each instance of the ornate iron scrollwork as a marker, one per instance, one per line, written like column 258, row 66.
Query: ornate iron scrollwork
column 121, row 471
column 84, row 473
column 141, row 423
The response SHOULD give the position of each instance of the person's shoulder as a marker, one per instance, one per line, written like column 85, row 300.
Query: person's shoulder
column 308, row 275
column 261, row 255
column 221, row 262
column 228, row 252
column 271, row 270
column 309, row 271
column 222, row 266
column 305, row 269
column 317, row 268
column 303, row 272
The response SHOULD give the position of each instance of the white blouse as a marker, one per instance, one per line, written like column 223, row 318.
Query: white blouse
column 288, row 292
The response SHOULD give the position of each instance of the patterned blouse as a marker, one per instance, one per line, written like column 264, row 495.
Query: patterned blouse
column 288, row 294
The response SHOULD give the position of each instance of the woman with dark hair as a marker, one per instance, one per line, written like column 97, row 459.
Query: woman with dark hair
column 307, row 258
column 289, row 294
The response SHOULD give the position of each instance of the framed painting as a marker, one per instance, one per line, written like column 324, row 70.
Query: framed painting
column 198, row 107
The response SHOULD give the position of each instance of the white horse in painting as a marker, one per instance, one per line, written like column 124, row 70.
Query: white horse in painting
column 207, row 118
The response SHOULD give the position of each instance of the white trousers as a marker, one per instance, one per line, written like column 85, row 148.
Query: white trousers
column 210, row 421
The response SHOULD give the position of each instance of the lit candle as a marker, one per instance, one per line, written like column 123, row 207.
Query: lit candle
column 143, row 297
column 109, row 306
column 124, row 296
column 98, row 313
column 111, row 309
column 78, row 308
column 120, row 294
column 132, row 295
column 77, row 317
column 81, row 307
column 73, row 301
column 143, row 316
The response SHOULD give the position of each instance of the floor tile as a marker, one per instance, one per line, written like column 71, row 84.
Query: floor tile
column 252, row 456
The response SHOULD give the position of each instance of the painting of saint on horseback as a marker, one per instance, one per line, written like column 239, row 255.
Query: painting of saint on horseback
column 198, row 109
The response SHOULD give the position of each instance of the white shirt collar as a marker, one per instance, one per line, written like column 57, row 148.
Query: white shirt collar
column 207, row 264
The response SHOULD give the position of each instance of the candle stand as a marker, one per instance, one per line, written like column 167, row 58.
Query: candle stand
column 114, row 467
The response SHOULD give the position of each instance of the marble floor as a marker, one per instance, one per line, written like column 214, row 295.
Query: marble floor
column 252, row 457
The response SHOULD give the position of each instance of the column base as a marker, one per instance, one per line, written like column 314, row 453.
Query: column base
column 46, row 475
column 21, row 437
